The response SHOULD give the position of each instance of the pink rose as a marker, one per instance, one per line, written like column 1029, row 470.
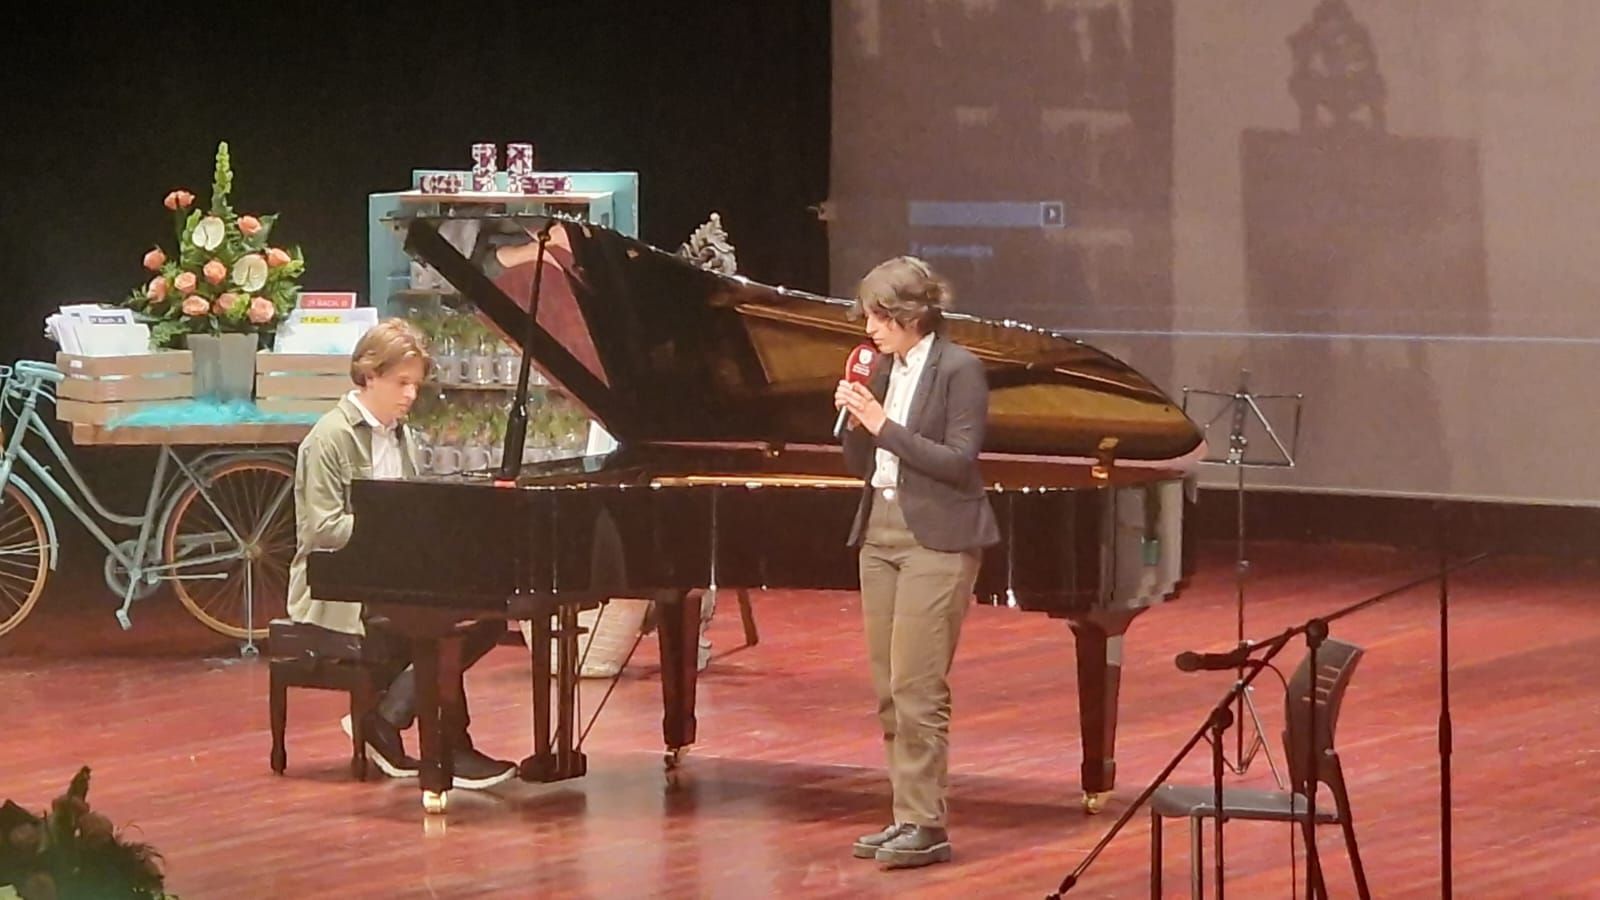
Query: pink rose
column 185, row 283
column 249, row 225
column 261, row 310
column 155, row 259
column 178, row 200
column 195, row 306
column 222, row 304
column 215, row 271
column 276, row 258
column 157, row 291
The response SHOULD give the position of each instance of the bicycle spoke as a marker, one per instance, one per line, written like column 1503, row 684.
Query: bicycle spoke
column 23, row 556
column 200, row 540
column 19, row 527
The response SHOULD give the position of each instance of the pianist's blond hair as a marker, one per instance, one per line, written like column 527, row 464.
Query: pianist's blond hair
column 386, row 345
column 908, row 291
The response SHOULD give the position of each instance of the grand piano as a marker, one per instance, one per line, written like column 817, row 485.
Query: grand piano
column 718, row 390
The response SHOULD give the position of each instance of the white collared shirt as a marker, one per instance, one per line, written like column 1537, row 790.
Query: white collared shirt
column 904, row 375
column 385, row 443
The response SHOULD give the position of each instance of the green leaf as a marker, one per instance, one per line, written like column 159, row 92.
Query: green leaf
column 187, row 228
column 163, row 334
column 259, row 242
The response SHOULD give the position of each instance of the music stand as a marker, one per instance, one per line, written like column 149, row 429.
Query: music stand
column 1246, row 418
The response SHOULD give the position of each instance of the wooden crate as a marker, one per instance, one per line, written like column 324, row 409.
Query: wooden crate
column 84, row 434
column 301, row 382
column 100, row 389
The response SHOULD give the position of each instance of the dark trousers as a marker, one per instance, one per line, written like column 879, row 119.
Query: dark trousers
column 398, row 705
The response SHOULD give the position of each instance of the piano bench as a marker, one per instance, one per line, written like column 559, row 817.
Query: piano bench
column 303, row 655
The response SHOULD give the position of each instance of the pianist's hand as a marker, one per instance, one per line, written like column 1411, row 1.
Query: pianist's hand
column 864, row 407
column 841, row 400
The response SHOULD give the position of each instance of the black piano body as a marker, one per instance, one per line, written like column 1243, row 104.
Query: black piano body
column 718, row 390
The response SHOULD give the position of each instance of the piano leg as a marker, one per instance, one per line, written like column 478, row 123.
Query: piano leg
column 1099, row 651
column 440, row 714
column 555, row 726
column 678, row 628
column 570, row 762
column 539, row 764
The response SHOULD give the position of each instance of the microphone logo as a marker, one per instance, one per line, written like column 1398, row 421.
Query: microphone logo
column 859, row 368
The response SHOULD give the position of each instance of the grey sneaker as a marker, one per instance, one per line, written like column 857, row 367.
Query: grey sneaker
column 386, row 749
column 917, row 846
column 867, row 845
column 475, row 771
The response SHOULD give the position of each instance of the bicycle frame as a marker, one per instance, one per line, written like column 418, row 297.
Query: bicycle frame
column 28, row 390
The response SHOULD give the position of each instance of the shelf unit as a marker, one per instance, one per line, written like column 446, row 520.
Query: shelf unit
column 608, row 199
column 459, row 413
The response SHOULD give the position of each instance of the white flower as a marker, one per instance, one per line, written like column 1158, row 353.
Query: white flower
column 208, row 233
column 250, row 272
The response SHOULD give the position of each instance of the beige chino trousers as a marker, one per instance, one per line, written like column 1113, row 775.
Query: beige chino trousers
column 913, row 601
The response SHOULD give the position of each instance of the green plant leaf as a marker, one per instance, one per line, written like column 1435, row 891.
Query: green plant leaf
column 163, row 334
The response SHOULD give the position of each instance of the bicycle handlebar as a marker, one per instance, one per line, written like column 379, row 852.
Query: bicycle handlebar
column 42, row 371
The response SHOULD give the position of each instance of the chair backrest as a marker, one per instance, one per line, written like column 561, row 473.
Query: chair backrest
column 1336, row 663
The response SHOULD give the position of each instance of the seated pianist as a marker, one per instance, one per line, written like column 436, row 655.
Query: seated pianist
column 365, row 436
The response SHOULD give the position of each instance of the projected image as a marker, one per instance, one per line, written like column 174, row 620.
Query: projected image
column 1027, row 149
column 1033, row 148
column 1388, row 205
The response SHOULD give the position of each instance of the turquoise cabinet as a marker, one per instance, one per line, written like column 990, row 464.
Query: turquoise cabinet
column 460, row 418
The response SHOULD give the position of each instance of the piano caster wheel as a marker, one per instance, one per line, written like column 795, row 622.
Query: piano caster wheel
column 434, row 802
column 1094, row 803
column 674, row 758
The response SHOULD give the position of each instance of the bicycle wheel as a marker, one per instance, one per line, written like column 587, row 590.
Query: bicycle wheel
column 24, row 557
column 218, row 578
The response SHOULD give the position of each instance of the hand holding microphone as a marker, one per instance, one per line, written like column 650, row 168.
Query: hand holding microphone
column 847, row 397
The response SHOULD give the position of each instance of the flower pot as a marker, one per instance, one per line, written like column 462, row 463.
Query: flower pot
column 224, row 366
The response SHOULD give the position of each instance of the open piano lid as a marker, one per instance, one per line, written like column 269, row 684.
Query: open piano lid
column 661, row 351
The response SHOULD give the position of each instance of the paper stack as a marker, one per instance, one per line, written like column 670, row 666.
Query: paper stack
column 324, row 330
column 89, row 329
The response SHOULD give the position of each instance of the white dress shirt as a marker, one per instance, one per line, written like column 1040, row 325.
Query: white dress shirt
column 903, row 378
column 385, row 443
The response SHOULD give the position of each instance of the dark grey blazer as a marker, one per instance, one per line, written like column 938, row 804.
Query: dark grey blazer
column 941, row 491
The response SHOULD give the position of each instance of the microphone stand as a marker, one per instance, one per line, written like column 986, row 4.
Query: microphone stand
column 1217, row 721
column 1315, row 630
column 517, row 418
column 1446, row 740
column 1242, row 408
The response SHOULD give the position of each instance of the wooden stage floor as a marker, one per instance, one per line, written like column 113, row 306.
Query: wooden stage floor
column 788, row 769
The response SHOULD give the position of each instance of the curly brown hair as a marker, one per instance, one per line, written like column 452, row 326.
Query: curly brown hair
column 906, row 290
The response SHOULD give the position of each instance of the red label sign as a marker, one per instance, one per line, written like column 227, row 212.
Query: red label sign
column 327, row 300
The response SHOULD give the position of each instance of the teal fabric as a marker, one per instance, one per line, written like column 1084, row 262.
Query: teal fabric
column 208, row 412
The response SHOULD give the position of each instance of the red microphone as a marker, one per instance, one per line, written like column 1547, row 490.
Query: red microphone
column 857, row 370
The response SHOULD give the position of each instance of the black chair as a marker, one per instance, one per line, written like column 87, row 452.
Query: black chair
column 310, row 656
column 1336, row 663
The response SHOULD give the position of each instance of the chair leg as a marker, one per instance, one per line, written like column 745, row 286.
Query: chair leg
column 278, row 704
column 1197, row 857
column 747, row 616
column 1348, row 824
column 1155, row 856
column 1316, row 879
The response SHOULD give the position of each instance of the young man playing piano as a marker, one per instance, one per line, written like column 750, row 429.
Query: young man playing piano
column 914, row 436
column 365, row 436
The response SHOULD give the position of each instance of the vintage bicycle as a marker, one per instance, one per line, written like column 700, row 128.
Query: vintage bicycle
column 218, row 525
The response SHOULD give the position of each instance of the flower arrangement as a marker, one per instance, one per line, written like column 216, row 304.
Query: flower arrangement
column 226, row 276
column 73, row 852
